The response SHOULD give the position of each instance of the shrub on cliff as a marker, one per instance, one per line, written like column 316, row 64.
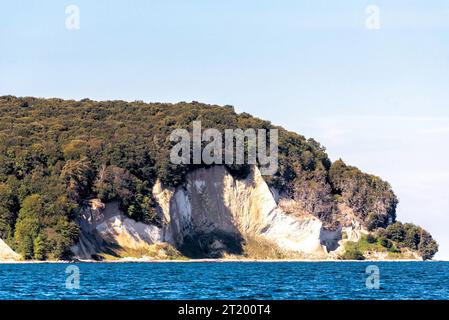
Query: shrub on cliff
column 134, row 195
column 352, row 252
column 413, row 237
column 371, row 198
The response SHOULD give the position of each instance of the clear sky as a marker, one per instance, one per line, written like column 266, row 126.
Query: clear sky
column 379, row 99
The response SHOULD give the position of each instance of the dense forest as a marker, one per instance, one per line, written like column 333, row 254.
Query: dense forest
column 55, row 154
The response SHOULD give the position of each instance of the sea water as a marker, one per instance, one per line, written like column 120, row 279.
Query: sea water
column 225, row 280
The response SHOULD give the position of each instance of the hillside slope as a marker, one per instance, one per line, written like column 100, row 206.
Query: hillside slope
column 56, row 155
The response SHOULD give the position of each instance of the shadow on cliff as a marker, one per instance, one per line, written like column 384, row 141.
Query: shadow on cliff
column 214, row 244
column 211, row 230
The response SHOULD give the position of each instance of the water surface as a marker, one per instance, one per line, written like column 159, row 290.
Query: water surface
column 230, row 280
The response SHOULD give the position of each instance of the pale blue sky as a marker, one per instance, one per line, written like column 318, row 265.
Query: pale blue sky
column 378, row 99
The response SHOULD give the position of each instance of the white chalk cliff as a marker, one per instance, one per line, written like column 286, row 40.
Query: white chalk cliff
column 210, row 215
column 6, row 253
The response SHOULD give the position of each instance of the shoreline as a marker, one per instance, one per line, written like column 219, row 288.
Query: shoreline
column 211, row 261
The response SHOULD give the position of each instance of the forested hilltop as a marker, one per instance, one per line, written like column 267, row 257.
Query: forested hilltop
column 55, row 154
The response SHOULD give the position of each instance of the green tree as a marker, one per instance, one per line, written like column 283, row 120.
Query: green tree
column 60, row 235
column 7, row 211
column 396, row 232
column 413, row 237
column 27, row 230
column 39, row 248
column 77, row 175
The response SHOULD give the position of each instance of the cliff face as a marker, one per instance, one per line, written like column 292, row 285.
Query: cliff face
column 211, row 215
column 214, row 215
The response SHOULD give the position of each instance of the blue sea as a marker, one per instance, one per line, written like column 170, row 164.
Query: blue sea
column 226, row 280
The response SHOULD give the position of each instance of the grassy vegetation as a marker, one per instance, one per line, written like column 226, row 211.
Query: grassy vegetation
column 257, row 247
column 158, row 251
column 352, row 252
column 366, row 245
